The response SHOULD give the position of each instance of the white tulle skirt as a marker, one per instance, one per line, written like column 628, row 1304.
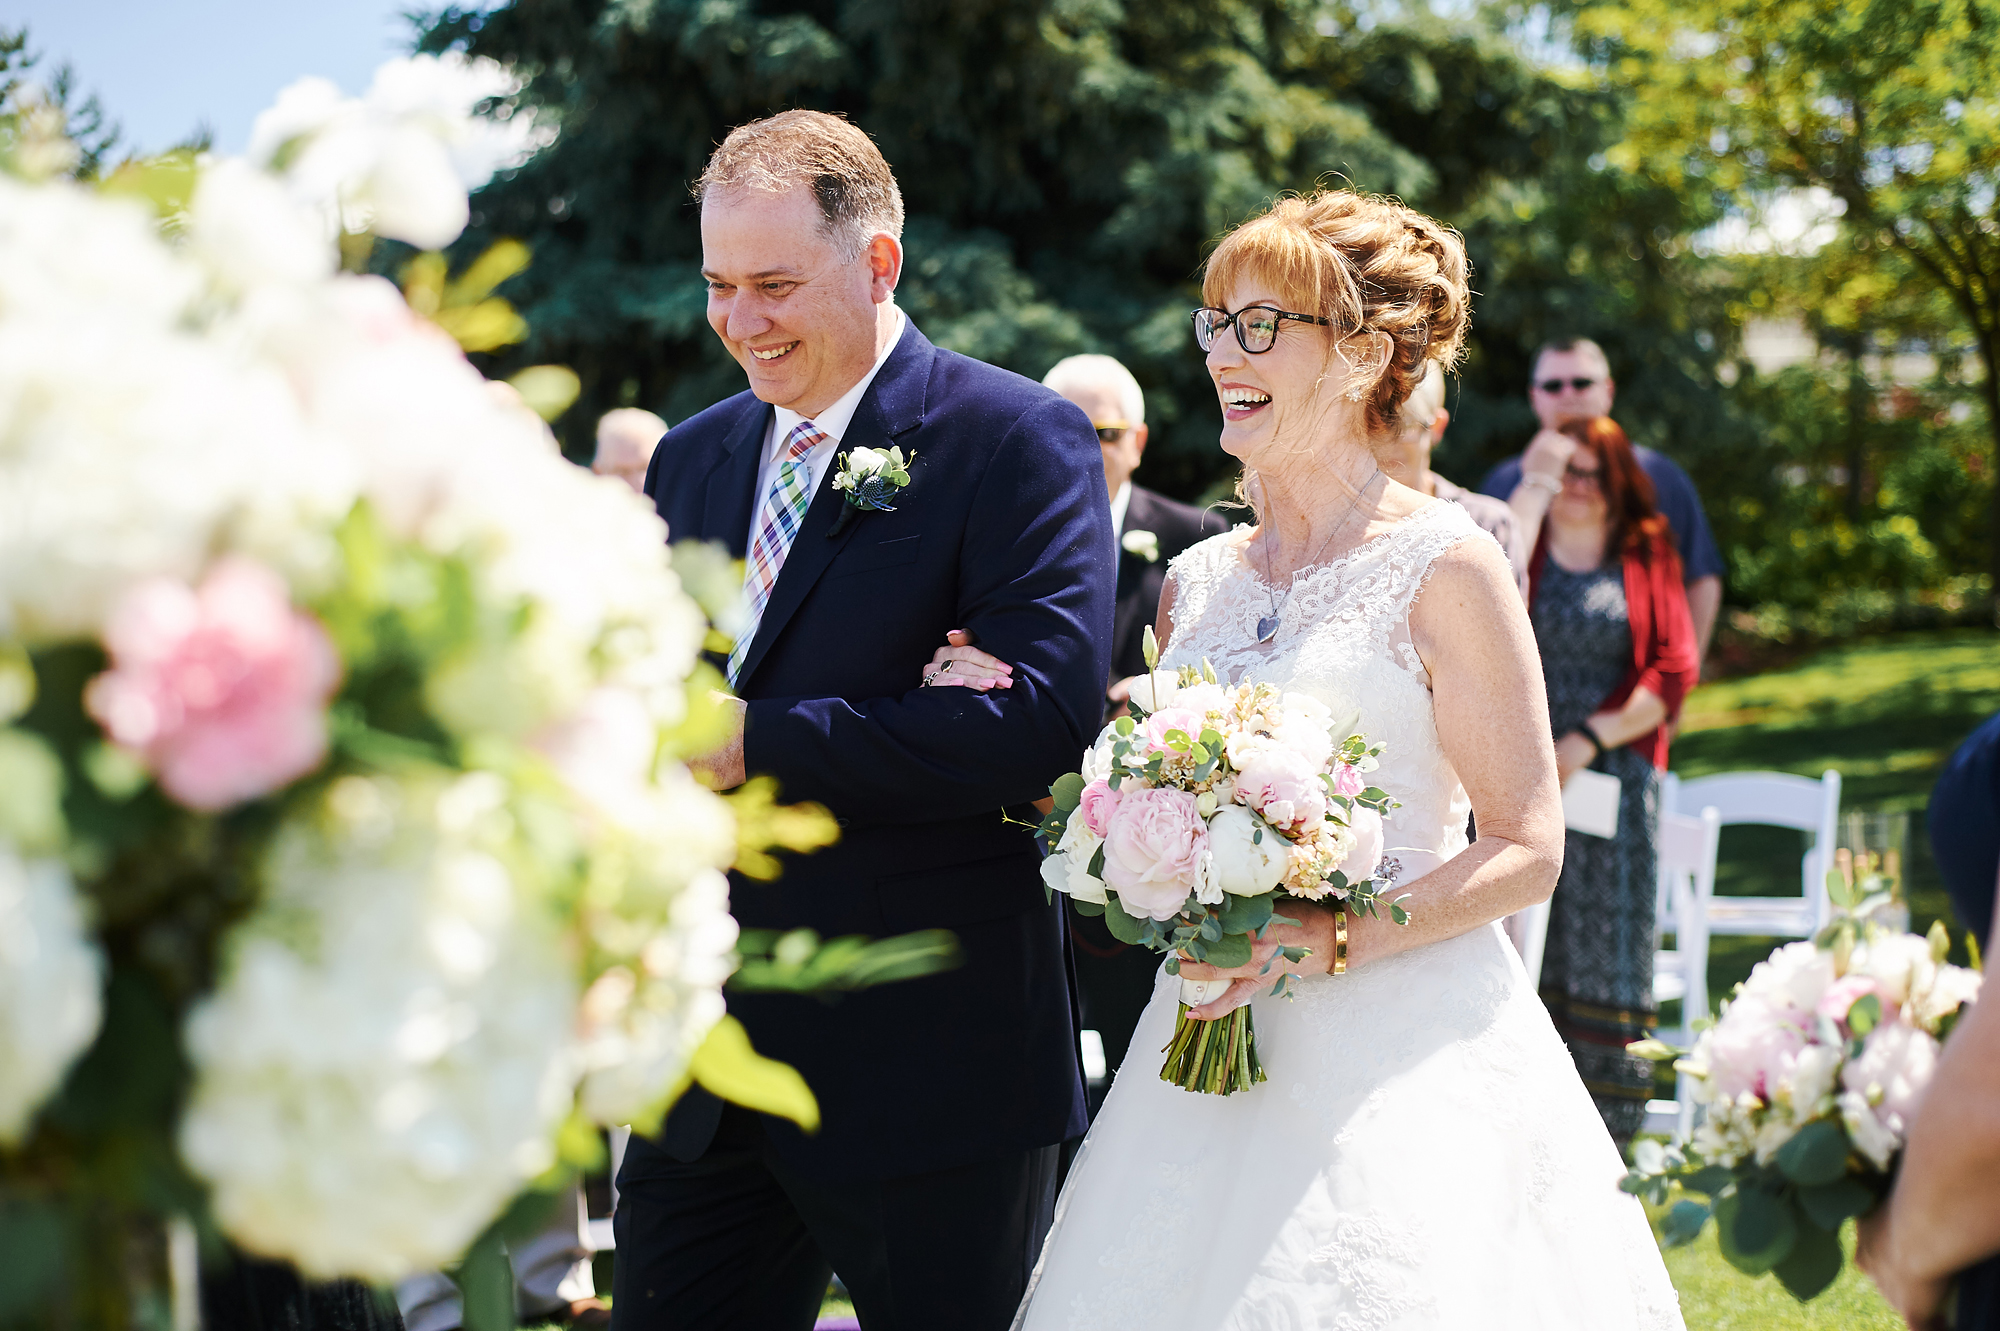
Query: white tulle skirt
column 1423, row 1155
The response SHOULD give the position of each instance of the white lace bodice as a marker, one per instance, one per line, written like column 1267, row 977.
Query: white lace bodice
column 1343, row 637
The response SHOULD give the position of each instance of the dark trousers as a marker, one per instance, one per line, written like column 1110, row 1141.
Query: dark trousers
column 739, row 1241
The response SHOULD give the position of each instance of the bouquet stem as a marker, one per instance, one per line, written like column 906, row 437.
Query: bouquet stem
column 1213, row 1057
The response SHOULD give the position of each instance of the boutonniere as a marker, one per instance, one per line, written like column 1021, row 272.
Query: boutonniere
column 1143, row 544
column 868, row 478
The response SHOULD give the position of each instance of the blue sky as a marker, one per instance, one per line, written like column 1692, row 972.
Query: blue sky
column 162, row 67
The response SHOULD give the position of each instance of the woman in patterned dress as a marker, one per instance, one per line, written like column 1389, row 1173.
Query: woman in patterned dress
column 1618, row 654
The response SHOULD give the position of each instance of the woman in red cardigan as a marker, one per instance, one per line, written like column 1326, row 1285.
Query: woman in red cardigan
column 1618, row 654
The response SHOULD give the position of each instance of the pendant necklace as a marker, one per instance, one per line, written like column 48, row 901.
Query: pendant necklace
column 1267, row 627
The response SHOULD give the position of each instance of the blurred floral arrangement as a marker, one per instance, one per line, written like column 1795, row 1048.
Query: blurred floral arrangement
column 350, row 867
column 1808, row 1081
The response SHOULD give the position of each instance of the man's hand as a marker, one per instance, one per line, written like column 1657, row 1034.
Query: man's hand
column 1917, row 1298
column 723, row 768
column 1314, row 932
column 1547, row 454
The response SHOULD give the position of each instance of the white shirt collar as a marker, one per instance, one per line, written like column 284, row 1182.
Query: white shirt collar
column 1119, row 503
column 833, row 422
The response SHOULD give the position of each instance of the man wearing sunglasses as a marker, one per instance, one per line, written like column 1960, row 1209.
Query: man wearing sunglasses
column 1115, row 981
column 1572, row 382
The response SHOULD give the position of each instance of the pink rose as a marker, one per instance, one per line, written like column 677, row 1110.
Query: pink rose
column 1362, row 861
column 1171, row 718
column 1152, row 851
column 1844, row 993
column 1347, row 781
column 1284, row 787
column 221, row 692
column 1098, row 803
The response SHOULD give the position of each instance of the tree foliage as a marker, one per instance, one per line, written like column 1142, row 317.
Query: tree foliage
column 1887, row 105
column 1065, row 164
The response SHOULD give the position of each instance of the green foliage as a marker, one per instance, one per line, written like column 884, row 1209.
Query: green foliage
column 45, row 129
column 1065, row 165
column 798, row 962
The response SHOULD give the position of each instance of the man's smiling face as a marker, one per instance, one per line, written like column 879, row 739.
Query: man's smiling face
column 797, row 313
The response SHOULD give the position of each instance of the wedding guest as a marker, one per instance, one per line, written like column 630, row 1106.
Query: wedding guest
column 1618, row 654
column 1405, row 456
column 626, row 437
column 1941, row 1226
column 1114, row 979
column 1572, row 382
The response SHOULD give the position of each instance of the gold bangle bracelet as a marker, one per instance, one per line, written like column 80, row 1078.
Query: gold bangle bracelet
column 1340, row 941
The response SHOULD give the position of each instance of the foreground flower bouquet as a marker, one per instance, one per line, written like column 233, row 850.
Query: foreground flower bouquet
column 1193, row 821
column 1810, row 1079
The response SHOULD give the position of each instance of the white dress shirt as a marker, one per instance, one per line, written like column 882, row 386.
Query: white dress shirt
column 832, row 423
column 1119, row 503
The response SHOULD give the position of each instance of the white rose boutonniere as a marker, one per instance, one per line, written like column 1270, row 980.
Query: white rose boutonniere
column 869, row 478
column 1144, row 544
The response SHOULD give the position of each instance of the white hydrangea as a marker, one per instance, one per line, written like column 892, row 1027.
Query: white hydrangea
column 400, row 159
column 386, row 1058
column 50, row 977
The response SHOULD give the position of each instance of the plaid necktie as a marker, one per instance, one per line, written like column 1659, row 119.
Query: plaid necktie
column 777, row 523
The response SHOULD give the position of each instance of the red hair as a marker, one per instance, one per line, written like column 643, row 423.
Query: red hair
column 1631, row 511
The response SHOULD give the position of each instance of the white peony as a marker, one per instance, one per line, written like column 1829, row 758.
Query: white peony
column 386, row 1058
column 1151, row 692
column 1067, row 869
column 1249, row 859
column 1891, row 1074
column 50, row 977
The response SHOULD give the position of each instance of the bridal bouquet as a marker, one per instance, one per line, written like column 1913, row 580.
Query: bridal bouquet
column 1810, row 1079
column 1196, row 817
column 350, row 865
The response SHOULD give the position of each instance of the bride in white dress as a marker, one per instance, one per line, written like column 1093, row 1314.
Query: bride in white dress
column 1423, row 1154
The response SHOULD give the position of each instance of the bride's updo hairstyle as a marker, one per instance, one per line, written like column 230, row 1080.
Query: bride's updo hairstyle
column 1369, row 264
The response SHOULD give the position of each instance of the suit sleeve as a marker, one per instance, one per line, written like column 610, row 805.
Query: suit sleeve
column 1036, row 586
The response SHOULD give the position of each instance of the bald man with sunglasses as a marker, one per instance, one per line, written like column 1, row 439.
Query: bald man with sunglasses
column 1572, row 382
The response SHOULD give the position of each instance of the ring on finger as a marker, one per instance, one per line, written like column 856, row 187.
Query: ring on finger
column 930, row 678
column 946, row 667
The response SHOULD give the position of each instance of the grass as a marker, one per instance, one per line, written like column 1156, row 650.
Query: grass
column 1715, row 1296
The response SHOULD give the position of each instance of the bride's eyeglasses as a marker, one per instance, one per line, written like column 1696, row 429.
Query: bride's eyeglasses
column 1256, row 325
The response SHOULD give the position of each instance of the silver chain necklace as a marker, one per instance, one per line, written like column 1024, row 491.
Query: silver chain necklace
column 1267, row 627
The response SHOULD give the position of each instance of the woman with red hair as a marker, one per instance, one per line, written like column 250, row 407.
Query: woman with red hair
column 1618, row 655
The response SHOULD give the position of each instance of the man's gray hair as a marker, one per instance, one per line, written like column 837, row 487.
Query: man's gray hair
column 1420, row 409
column 1091, row 371
column 856, row 192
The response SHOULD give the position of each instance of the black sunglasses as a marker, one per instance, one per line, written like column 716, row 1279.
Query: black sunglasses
column 1256, row 325
column 1554, row 386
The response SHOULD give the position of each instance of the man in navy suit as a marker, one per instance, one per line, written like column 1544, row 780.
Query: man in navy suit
column 944, row 1100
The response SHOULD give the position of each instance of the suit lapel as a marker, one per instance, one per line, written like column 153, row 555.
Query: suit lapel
column 892, row 406
column 730, row 498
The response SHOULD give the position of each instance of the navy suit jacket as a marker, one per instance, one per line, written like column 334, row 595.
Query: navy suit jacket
column 1004, row 529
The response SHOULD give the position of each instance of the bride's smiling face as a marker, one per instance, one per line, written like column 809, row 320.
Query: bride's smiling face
column 1276, row 402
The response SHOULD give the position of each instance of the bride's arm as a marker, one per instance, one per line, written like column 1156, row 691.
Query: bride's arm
column 1472, row 632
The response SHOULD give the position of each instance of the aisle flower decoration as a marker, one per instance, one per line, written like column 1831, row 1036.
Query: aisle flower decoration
column 1808, row 1082
column 350, row 869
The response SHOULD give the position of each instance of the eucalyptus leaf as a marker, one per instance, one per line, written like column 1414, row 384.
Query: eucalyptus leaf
column 1093, row 909
column 1865, row 1015
column 1124, row 927
column 1830, row 1204
column 1247, row 915
column 1755, row 1230
column 1816, row 1154
column 1812, row 1263
column 1683, row 1223
column 1067, row 791
column 1229, row 951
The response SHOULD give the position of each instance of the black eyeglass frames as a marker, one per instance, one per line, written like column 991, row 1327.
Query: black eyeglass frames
column 1576, row 385
column 1256, row 325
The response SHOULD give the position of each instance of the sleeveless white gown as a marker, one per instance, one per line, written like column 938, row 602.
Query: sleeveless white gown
column 1423, row 1155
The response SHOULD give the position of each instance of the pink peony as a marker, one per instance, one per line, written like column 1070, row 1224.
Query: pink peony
column 1754, row 1047
column 222, row 692
column 1284, row 787
column 1171, row 718
column 1347, row 781
column 1153, row 849
column 1098, row 803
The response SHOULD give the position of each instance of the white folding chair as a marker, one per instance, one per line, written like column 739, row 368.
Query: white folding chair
column 1773, row 799
column 1686, row 854
column 601, row 1239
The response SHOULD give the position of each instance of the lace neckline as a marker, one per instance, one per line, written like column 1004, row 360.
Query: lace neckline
column 1367, row 547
